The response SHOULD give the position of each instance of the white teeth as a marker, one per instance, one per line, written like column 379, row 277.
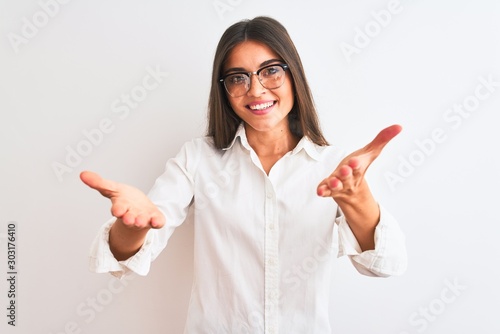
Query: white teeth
column 261, row 106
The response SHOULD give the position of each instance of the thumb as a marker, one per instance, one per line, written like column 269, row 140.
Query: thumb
column 383, row 137
column 107, row 188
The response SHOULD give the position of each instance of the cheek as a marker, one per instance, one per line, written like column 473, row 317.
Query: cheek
column 288, row 85
column 234, row 103
column 288, row 93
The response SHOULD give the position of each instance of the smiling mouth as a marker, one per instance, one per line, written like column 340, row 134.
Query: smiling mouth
column 261, row 106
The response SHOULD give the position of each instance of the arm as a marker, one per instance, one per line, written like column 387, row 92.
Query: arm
column 362, row 214
column 135, row 213
column 143, row 224
column 125, row 242
column 389, row 257
column 348, row 187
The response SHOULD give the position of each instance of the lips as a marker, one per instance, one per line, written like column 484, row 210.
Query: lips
column 261, row 107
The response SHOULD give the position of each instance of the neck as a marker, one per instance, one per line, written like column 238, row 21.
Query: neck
column 271, row 145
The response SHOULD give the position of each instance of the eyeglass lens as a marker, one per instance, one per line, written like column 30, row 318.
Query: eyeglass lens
column 270, row 77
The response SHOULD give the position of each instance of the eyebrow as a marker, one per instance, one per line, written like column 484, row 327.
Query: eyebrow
column 241, row 69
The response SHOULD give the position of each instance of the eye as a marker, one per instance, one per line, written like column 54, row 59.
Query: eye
column 236, row 79
column 270, row 71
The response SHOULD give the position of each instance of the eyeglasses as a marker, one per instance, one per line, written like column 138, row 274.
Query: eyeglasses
column 270, row 77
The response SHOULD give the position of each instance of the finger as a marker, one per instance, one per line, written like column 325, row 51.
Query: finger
column 129, row 219
column 335, row 184
column 342, row 172
column 142, row 220
column 106, row 187
column 118, row 209
column 157, row 220
column 384, row 136
column 345, row 171
column 354, row 163
column 358, row 166
column 323, row 190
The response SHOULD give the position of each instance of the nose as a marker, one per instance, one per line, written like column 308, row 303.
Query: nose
column 256, row 88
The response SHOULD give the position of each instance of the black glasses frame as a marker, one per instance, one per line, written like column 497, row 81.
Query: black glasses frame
column 285, row 67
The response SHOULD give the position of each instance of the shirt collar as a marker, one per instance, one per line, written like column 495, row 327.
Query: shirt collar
column 243, row 138
column 305, row 144
column 309, row 147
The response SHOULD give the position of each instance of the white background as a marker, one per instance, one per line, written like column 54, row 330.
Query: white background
column 63, row 80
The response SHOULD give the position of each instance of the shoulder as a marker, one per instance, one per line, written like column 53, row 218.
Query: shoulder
column 200, row 147
column 323, row 153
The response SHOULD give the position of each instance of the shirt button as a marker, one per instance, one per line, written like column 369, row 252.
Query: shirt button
column 271, row 227
column 269, row 195
column 270, row 262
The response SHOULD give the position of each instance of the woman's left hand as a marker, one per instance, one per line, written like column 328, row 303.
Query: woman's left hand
column 349, row 189
column 347, row 182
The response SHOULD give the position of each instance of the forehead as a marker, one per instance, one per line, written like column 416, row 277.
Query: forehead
column 249, row 55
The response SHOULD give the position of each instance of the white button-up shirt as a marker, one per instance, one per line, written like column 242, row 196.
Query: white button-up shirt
column 263, row 244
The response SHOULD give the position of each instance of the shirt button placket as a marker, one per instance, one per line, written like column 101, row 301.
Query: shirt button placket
column 271, row 266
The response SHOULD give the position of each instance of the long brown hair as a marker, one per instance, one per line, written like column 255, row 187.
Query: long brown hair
column 222, row 120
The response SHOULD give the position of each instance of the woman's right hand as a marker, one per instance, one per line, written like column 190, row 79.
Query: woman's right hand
column 129, row 204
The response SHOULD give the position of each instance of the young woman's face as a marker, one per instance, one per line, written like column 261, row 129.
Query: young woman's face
column 260, row 108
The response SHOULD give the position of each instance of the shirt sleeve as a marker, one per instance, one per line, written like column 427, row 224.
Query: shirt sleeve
column 101, row 260
column 389, row 257
column 172, row 193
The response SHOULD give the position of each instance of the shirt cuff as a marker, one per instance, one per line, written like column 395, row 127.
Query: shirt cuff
column 389, row 256
column 101, row 260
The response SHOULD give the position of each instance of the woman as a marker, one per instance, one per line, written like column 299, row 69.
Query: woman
column 265, row 234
